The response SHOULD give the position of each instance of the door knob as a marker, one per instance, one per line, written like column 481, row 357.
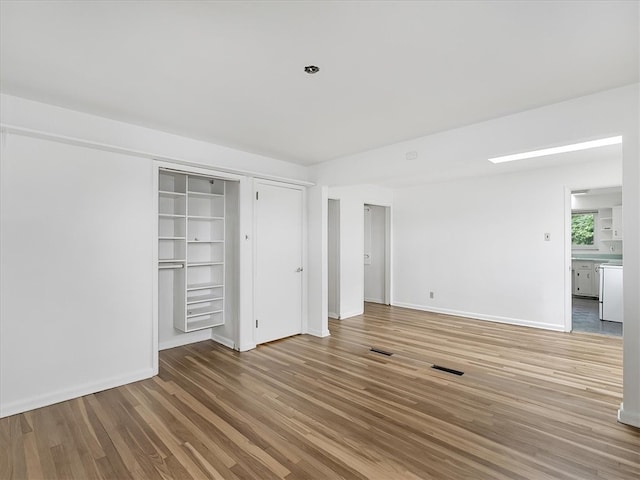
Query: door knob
column 299, row 269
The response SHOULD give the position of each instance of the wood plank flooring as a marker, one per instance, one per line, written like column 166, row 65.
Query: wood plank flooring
column 531, row 404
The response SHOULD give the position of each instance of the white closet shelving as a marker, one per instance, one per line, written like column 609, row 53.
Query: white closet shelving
column 191, row 244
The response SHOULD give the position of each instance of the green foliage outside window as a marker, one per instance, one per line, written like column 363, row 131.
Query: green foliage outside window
column 582, row 228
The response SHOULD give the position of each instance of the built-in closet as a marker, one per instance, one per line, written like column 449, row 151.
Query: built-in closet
column 197, row 237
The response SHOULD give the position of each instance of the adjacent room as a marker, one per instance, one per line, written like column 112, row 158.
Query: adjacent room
column 320, row 240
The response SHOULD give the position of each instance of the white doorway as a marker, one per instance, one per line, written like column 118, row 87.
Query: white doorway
column 593, row 240
column 278, row 260
column 333, row 258
column 376, row 254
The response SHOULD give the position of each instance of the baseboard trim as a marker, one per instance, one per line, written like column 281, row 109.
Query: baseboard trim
column 480, row 316
column 351, row 314
column 374, row 300
column 628, row 418
column 227, row 342
column 71, row 393
column 333, row 315
column 246, row 346
column 186, row 339
column 319, row 333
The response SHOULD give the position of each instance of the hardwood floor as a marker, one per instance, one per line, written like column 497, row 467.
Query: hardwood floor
column 531, row 404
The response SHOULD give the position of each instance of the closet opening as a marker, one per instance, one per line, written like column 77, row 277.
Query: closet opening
column 198, row 236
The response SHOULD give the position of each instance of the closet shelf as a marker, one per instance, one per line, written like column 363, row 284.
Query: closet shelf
column 201, row 312
column 202, row 299
column 191, row 210
column 201, row 217
column 167, row 193
column 206, row 195
column 203, row 286
column 200, row 324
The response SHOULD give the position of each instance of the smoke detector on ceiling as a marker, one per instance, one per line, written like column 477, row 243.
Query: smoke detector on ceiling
column 311, row 69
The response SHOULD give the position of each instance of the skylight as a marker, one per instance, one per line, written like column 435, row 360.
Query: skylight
column 603, row 142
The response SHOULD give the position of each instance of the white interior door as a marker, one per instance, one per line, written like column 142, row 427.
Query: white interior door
column 375, row 261
column 278, row 287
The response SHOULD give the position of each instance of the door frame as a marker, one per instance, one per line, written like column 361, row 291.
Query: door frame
column 568, row 271
column 207, row 172
column 387, row 252
column 336, row 287
column 304, row 327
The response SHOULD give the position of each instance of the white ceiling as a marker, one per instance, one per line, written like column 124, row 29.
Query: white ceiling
column 232, row 72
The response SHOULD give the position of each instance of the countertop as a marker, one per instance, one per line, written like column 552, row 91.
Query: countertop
column 600, row 259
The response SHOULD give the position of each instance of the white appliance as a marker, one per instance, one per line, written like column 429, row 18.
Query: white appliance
column 611, row 292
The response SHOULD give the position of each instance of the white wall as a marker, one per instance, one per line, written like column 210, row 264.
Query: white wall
column 374, row 271
column 352, row 201
column 463, row 152
column 83, row 321
column 317, row 305
column 77, row 272
column 630, row 409
column 61, row 122
column 479, row 244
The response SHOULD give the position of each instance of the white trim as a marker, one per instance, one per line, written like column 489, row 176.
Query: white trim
column 568, row 268
column 628, row 418
column 334, row 315
column 388, row 245
column 71, row 393
column 226, row 341
column 28, row 132
column 354, row 313
column 374, row 300
column 247, row 346
column 479, row 316
column 186, row 339
column 155, row 295
column 319, row 333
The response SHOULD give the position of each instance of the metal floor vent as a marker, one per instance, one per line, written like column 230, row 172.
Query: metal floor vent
column 383, row 352
column 448, row 370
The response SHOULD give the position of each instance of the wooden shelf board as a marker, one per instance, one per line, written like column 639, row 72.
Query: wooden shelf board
column 171, row 238
column 171, row 260
column 205, row 241
column 204, row 264
column 171, row 215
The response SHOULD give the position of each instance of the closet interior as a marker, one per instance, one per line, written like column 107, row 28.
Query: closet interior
column 197, row 233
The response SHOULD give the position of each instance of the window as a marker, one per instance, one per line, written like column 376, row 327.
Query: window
column 583, row 229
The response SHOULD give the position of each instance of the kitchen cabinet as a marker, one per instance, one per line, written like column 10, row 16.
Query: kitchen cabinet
column 616, row 223
column 585, row 277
